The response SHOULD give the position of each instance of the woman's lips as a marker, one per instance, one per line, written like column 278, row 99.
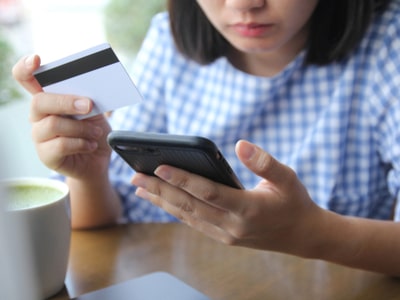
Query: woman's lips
column 251, row 29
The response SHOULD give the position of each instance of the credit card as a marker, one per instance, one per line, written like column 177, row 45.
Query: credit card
column 95, row 73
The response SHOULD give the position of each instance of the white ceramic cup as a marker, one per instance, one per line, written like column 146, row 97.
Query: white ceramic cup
column 46, row 231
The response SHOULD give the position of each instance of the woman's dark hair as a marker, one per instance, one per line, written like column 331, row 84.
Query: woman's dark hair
column 336, row 28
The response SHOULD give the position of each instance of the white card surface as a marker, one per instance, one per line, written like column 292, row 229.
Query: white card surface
column 95, row 73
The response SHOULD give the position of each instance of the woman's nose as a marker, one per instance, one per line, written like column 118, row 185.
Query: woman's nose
column 245, row 4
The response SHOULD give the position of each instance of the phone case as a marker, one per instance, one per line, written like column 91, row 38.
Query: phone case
column 144, row 152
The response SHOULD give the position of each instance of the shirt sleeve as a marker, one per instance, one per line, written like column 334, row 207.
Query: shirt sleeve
column 386, row 105
column 148, row 73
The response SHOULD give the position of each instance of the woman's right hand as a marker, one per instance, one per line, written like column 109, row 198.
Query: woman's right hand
column 74, row 148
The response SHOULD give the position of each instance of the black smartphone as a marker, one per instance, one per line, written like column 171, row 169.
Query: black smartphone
column 144, row 152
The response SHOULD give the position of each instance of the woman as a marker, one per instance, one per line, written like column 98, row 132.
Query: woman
column 314, row 83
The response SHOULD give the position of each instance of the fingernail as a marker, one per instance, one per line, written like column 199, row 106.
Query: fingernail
column 142, row 193
column 81, row 105
column 249, row 151
column 163, row 173
column 93, row 145
column 29, row 61
column 138, row 181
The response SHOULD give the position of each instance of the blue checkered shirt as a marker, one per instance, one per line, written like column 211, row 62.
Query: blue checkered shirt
column 337, row 126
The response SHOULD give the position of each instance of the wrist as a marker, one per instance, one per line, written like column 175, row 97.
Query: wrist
column 94, row 202
column 332, row 238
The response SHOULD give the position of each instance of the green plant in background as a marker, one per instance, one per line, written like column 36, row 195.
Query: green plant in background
column 9, row 90
column 127, row 21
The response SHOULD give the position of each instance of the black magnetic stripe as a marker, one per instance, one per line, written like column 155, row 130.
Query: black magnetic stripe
column 77, row 67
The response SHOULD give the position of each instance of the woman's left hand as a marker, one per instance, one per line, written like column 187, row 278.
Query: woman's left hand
column 277, row 214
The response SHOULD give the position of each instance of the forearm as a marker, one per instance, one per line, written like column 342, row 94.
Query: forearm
column 359, row 243
column 94, row 203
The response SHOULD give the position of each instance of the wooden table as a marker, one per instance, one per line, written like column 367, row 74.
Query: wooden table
column 101, row 258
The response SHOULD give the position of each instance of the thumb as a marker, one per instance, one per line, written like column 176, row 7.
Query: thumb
column 263, row 164
column 23, row 70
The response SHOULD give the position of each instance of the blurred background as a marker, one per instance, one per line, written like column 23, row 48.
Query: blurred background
column 53, row 29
